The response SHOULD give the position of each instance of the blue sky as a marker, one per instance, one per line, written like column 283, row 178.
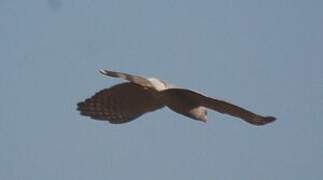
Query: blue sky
column 263, row 55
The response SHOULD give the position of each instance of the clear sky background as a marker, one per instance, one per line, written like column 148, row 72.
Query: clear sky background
column 266, row 56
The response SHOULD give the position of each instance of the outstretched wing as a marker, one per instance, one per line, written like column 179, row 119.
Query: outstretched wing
column 222, row 106
column 129, row 77
column 120, row 103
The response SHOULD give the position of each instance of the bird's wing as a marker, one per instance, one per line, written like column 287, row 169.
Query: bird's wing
column 120, row 103
column 129, row 77
column 222, row 106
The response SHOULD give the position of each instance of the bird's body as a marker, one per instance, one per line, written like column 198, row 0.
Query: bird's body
column 127, row 101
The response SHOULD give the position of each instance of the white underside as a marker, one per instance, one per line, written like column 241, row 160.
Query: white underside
column 159, row 84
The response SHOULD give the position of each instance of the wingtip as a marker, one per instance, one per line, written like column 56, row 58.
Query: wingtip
column 269, row 119
column 260, row 121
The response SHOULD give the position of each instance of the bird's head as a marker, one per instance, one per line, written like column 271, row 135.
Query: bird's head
column 199, row 113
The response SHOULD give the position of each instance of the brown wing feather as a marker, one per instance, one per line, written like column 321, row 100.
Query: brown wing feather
column 120, row 103
column 222, row 107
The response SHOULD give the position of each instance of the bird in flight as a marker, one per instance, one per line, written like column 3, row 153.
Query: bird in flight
column 127, row 101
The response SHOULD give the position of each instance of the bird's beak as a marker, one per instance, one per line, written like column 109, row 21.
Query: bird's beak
column 204, row 119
